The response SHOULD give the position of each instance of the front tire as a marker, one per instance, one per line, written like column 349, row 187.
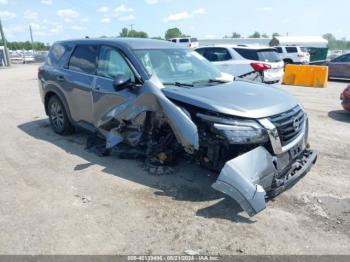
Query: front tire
column 58, row 117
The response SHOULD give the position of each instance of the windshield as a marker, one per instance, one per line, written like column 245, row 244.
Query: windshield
column 177, row 65
column 264, row 55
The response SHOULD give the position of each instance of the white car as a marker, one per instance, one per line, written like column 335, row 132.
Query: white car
column 28, row 57
column 294, row 54
column 190, row 42
column 257, row 63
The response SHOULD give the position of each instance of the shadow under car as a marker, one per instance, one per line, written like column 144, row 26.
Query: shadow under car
column 189, row 182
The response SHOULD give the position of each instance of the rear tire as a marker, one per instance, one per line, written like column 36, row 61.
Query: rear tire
column 58, row 117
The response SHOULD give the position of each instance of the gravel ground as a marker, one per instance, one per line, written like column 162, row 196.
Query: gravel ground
column 58, row 198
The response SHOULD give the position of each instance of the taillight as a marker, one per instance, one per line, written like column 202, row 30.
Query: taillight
column 260, row 66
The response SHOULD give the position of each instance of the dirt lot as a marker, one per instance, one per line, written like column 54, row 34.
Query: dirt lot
column 58, row 198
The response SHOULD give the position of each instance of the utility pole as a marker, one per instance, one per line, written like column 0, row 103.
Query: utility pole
column 7, row 57
column 131, row 26
column 31, row 37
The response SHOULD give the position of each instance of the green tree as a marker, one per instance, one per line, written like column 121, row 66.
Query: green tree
column 124, row 32
column 173, row 33
column 329, row 37
column 235, row 35
column 139, row 34
column 255, row 35
column 39, row 46
column 264, row 35
column 333, row 43
column 132, row 33
column 275, row 35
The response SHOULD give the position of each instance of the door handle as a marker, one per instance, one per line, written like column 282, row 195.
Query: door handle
column 60, row 78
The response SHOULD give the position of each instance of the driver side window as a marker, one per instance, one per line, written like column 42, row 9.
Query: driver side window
column 111, row 63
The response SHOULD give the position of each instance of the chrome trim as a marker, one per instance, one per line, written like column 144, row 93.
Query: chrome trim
column 274, row 137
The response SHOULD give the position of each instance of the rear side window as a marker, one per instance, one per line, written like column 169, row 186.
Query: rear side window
column 193, row 39
column 174, row 40
column 56, row 53
column 291, row 49
column 83, row 59
column 279, row 50
column 249, row 54
column 184, row 40
column 215, row 54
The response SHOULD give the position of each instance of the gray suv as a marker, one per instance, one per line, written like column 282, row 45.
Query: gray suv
column 164, row 101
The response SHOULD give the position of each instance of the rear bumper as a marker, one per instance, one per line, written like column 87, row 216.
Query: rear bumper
column 273, row 76
column 254, row 176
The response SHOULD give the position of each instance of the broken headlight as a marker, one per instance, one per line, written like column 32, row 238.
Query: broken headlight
column 236, row 131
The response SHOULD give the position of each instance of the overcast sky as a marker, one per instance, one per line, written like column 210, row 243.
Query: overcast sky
column 60, row 19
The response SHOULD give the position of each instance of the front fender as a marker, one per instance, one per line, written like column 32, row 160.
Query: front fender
column 149, row 97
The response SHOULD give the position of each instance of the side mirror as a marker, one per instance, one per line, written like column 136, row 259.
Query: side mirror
column 121, row 81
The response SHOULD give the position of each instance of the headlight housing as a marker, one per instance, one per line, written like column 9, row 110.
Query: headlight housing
column 236, row 131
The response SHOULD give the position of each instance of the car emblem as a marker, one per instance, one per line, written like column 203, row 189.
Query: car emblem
column 296, row 124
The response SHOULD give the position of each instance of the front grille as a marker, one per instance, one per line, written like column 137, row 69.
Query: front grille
column 287, row 123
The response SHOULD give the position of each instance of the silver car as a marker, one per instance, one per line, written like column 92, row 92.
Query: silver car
column 158, row 101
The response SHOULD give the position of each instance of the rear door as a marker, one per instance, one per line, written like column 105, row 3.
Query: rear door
column 105, row 98
column 78, row 79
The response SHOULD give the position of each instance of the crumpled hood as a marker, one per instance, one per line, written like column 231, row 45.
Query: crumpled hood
column 238, row 98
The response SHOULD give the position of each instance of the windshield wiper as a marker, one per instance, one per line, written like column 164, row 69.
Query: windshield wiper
column 210, row 81
column 178, row 84
column 217, row 81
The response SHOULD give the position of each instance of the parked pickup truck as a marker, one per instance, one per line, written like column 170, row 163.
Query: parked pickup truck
column 163, row 101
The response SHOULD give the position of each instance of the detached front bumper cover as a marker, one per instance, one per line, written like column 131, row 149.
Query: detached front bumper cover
column 246, row 177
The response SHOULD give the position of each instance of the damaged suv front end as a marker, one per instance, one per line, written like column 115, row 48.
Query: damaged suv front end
column 271, row 167
column 259, row 148
column 160, row 101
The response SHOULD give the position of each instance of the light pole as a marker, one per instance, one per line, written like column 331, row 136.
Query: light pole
column 31, row 37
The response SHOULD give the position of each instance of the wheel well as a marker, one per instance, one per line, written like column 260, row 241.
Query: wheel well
column 47, row 99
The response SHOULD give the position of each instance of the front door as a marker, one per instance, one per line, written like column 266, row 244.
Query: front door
column 105, row 98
